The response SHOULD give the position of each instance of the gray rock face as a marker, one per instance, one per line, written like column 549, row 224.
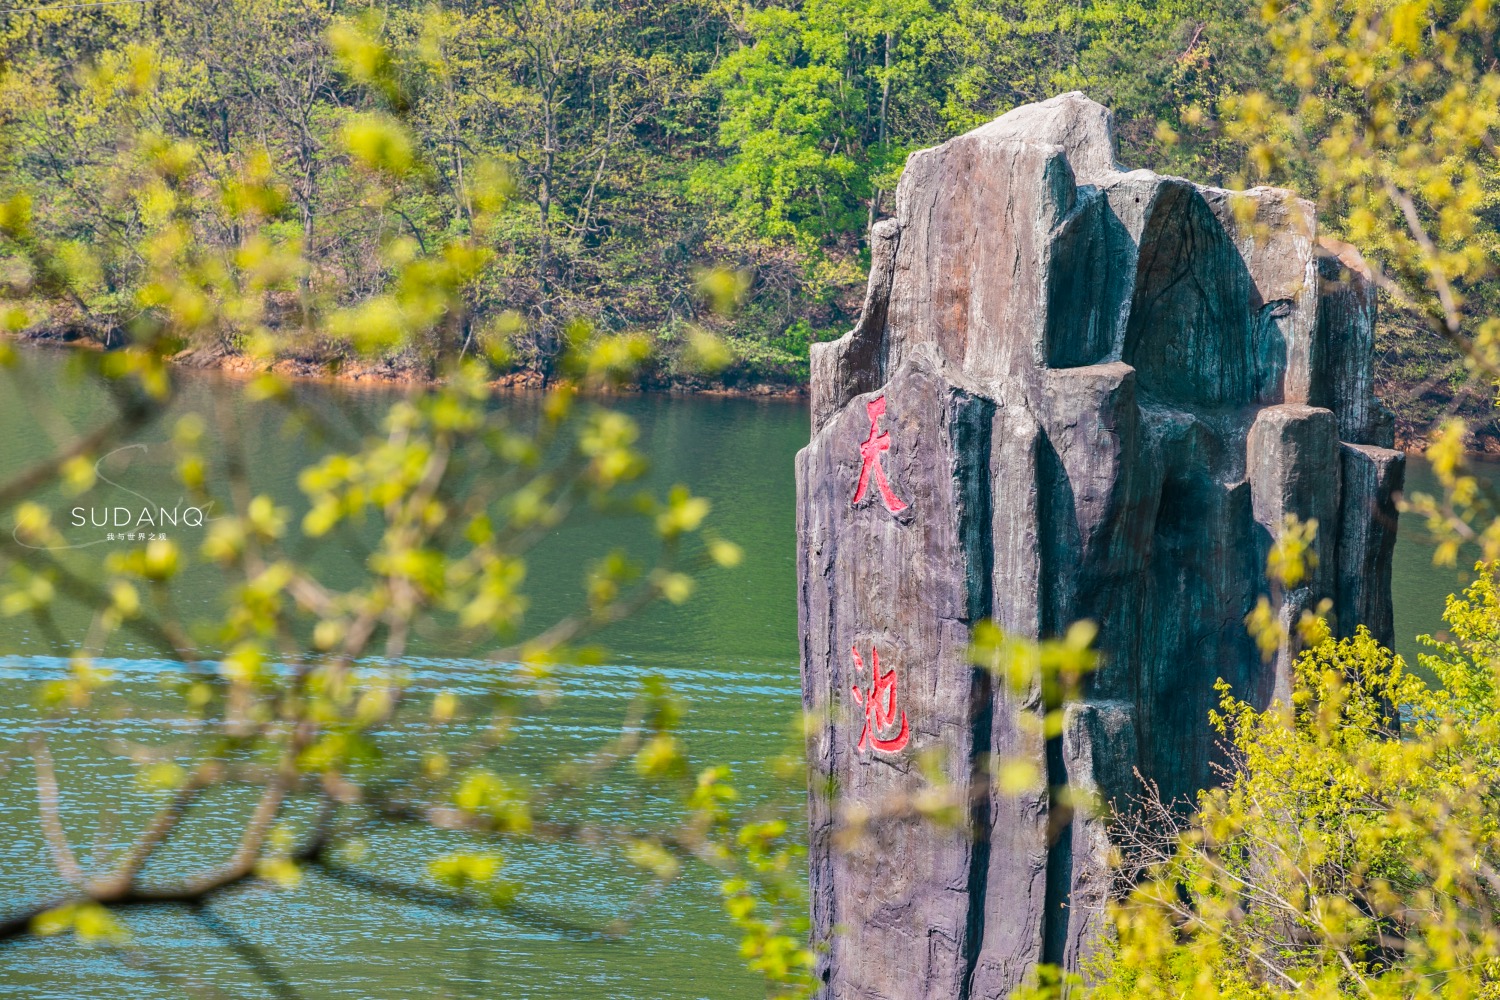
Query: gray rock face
column 1075, row 392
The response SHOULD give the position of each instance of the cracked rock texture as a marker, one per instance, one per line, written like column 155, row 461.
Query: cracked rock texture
column 1076, row 391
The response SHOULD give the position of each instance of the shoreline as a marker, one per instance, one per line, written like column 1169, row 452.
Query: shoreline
column 363, row 377
column 383, row 376
column 372, row 377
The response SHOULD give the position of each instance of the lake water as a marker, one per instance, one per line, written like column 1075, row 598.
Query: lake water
column 732, row 650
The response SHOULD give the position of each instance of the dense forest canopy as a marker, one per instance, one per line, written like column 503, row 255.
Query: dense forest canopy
column 641, row 142
column 645, row 141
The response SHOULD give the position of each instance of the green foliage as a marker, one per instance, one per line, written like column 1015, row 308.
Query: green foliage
column 593, row 156
column 286, row 692
column 821, row 106
column 542, row 184
column 806, row 113
column 1339, row 860
column 1048, row 674
column 1388, row 112
column 769, row 907
column 1464, row 664
column 598, row 156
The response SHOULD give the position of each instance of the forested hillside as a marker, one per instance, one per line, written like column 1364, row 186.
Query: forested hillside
column 641, row 143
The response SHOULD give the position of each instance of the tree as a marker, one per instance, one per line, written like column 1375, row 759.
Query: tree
column 1388, row 113
column 808, row 104
column 276, row 689
column 1339, row 860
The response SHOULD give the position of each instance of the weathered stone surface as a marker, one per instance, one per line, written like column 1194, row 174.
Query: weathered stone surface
column 902, row 587
column 1367, row 538
column 1099, row 750
column 1084, row 130
column 1346, row 313
column 971, row 287
column 856, row 362
column 1103, row 391
column 1294, row 468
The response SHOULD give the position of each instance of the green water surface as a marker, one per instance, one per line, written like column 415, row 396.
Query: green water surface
column 732, row 650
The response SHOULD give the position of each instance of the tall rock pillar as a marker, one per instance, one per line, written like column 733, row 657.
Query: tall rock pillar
column 1075, row 392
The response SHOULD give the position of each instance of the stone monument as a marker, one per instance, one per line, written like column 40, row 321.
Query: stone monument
column 1075, row 391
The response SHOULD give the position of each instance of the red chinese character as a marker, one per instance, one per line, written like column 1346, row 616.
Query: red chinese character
column 880, row 705
column 870, row 450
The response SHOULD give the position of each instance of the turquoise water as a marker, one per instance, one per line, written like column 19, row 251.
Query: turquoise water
column 1418, row 588
column 732, row 650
